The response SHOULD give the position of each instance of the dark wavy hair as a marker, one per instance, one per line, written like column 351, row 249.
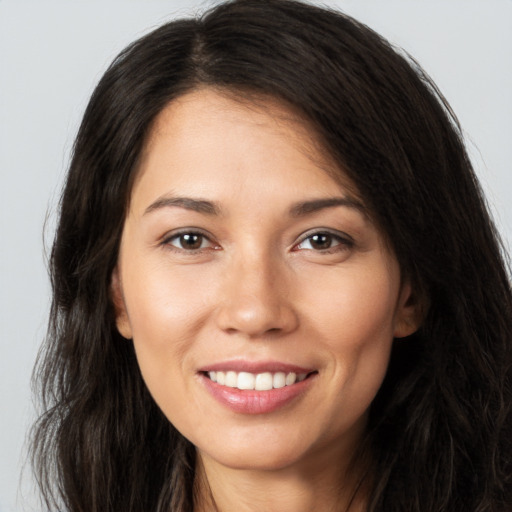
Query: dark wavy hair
column 440, row 429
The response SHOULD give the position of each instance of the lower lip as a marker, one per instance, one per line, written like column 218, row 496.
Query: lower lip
column 256, row 402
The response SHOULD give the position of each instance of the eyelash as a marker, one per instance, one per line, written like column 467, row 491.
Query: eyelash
column 167, row 242
column 343, row 241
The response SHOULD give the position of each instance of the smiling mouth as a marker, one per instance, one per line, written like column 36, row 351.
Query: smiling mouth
column 256, row 381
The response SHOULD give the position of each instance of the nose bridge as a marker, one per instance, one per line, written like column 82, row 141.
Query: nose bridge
column 256, row 295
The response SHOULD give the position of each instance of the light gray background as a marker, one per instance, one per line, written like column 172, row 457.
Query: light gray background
column 53, row 52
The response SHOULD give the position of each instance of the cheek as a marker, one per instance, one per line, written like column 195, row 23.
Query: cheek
column 355, row 308
column 352, row 319
column 164, row 303
column 166, row 312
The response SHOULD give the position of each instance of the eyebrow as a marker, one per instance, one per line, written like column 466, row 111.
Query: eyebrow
column 304, row 208
column 196, row 205
column 297, row 210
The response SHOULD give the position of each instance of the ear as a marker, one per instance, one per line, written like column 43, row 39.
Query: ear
column 409, row 314
column 116, row 292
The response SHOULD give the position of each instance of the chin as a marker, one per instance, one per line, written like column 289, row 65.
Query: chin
column 263, row 450
column 255, row 459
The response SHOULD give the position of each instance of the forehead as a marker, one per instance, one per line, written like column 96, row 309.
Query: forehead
column 213, row 143
column 207, row 105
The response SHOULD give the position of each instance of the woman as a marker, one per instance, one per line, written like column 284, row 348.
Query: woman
column 276, row 283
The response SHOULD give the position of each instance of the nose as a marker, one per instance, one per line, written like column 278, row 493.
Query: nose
column 257, row 299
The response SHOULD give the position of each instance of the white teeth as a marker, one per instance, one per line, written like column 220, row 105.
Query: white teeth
column 245, row 380
column 263, row 381
column 290, row 379
column 231, row 380
column 259, row 382
column 279, row 380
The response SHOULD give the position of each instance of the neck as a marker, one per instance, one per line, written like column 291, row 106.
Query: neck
column 317, row 485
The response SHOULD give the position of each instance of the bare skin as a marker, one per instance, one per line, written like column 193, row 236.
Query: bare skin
column 241, row 251
column 315, row 487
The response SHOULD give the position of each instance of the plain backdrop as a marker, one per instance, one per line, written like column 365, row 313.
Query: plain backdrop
column 52, row 53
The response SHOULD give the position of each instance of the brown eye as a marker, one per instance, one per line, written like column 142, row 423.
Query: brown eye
column 325, row 242
column 189, row 241
column 321, row 241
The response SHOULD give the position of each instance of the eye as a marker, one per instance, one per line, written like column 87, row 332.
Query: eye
column 324, row 241
column 189, row 241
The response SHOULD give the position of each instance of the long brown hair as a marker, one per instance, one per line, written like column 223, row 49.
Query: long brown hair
column 440, row 430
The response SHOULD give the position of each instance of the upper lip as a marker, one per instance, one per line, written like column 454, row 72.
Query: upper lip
column 254, row 367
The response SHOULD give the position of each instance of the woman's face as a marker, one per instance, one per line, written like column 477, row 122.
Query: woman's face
column 261, row 299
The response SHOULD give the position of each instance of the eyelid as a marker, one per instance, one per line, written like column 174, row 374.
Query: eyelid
column 344, row 239
column 168, row 237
